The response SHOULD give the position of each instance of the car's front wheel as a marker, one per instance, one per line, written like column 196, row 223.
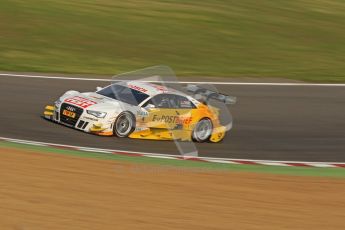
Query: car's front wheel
column 124, row 124
column 203, row 130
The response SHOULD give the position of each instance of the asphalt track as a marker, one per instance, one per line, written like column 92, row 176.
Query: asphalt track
column 271, row 122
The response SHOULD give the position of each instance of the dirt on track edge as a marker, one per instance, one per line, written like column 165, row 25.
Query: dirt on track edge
column 52, row 191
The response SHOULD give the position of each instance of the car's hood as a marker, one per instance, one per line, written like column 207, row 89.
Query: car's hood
column 93, row 101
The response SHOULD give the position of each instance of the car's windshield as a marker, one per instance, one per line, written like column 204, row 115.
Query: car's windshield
column 124, row 94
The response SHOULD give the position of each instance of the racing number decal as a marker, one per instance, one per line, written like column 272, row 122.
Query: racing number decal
column 80, row 101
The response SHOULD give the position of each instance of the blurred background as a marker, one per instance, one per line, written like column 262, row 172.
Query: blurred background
column 300, row 39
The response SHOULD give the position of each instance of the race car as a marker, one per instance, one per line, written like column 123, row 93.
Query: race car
column 142, row 110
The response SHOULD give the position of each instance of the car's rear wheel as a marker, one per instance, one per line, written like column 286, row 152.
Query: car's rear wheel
column 203, row 130
column 124, row 124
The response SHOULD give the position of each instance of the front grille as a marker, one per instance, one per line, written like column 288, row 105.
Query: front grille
column 57, row 116
column 69, row 120
column 80, row 124
column 84, row 126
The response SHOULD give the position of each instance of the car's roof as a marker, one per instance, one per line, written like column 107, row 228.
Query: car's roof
column 151, row 88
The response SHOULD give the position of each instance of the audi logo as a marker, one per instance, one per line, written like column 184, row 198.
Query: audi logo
column 70, row 108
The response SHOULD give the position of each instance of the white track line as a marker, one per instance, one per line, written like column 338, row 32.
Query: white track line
column 176, row 157
column 182, row 82
column 53, row 77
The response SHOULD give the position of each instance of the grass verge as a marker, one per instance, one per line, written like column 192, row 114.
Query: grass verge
column 180, row 164
column 301, row 40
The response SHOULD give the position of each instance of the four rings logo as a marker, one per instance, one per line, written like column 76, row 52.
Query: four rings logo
column 70, row 108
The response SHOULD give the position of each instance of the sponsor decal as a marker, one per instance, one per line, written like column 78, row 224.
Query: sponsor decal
column 68, row 113
column 172, row 119
column 160, row 87
column 141, row 113
column 80, row 101
column 138, row 129
column 138, row 88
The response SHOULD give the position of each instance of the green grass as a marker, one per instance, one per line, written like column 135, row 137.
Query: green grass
column 181, row 165
column 301, row 39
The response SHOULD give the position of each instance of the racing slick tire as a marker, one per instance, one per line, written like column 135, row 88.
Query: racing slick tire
column 202, row 130
column 124, row 124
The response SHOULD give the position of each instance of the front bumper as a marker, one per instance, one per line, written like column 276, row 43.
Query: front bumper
column 82, row 120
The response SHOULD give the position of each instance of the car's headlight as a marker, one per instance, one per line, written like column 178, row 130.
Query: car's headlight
column 96, row 113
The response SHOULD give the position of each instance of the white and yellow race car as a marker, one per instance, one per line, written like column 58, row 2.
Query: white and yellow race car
column 142, row 110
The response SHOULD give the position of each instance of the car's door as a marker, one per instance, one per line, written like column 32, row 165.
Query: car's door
column 169, row 111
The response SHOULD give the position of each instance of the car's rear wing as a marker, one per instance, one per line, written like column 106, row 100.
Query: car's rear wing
column 209, row 94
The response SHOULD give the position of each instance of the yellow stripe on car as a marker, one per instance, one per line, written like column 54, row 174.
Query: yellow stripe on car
column 49, row 108
column 48, row 113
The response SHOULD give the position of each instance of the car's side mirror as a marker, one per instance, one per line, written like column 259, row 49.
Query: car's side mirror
column 150, row 106
column 98, row 88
